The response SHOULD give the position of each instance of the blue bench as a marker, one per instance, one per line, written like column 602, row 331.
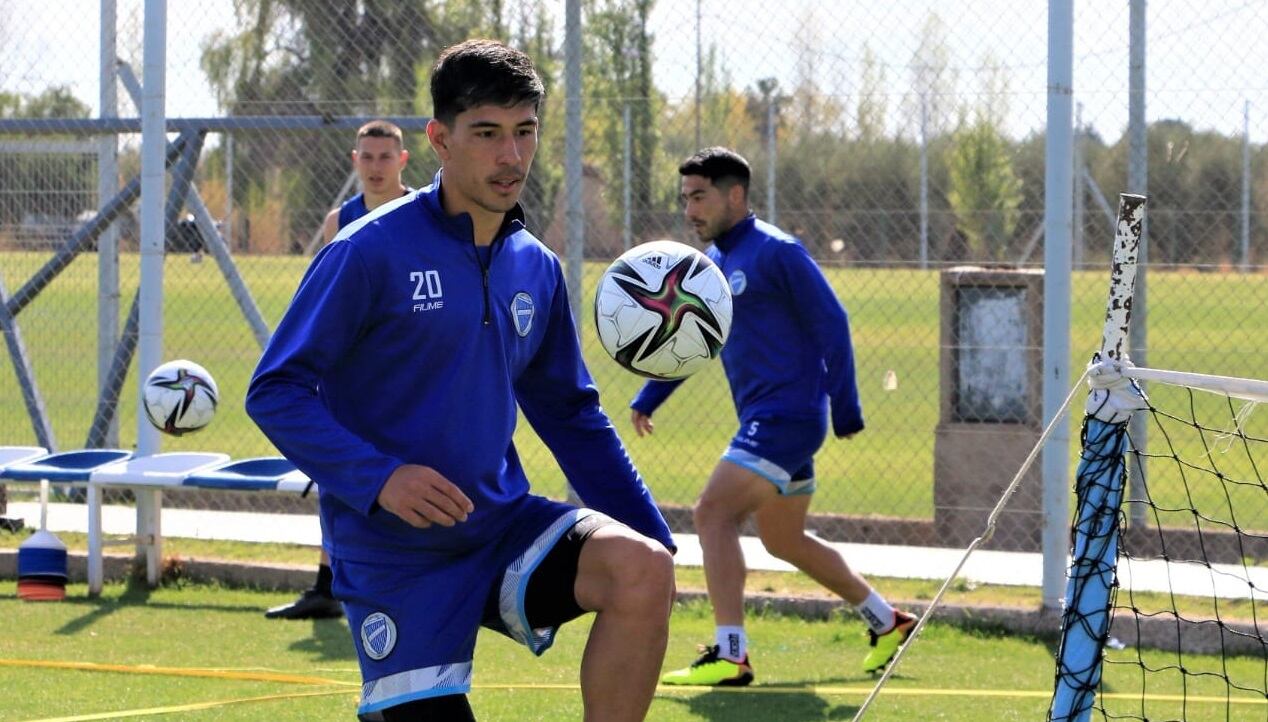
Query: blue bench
column 68, row 469
column 10, row 455
column 273, row 473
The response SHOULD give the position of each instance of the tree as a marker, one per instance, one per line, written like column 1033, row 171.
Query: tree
column 333, row 57
column 933, row 79
column 1194, row 192
column 50, row 185
column 870, row 117
column 618, row 75
column 984, row 192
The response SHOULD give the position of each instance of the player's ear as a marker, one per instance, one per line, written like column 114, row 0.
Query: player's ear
column 438, row 136
column 404, row 157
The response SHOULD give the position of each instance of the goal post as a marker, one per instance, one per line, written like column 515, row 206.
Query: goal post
column 1188, row 634
column 1099, row 485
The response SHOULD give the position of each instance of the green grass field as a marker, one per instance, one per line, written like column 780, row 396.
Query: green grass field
column 199, row 652
column 1207, row 322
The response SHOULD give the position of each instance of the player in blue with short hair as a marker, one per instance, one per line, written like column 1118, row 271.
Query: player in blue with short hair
column 393, row 380
column 378, row 159
column 788, row 361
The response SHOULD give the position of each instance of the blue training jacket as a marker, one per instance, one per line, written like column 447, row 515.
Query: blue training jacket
column 400, row 346
column 789, row 352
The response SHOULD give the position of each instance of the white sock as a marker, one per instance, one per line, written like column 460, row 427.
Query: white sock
column 876, row 612
column 732, row 643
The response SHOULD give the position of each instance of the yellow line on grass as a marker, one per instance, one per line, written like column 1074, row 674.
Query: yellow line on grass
column 192, row 707
column 246, row 675
column 268, row 676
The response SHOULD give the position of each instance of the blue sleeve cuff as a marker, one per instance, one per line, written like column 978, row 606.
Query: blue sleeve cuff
column 652, row 395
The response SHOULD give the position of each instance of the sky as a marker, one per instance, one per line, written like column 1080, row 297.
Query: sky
column 1205, row 58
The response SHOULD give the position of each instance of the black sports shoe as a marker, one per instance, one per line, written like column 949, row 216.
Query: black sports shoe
column 312, row 604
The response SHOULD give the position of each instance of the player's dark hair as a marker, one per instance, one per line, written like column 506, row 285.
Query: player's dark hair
column 381, row 129
column 722, row 166
column 482, row 72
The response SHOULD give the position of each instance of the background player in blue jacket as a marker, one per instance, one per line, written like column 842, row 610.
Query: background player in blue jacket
column 378, row 159
column 393, row 380
column 789, row 361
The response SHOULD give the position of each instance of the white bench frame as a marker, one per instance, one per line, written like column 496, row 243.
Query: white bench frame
column 146, row 477
column 11, row 455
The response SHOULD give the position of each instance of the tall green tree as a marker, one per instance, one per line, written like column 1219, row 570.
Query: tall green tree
column 618, row 76
column 984, row 191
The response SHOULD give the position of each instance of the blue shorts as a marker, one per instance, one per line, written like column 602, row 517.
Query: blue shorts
column 414, row 622
column 779, row 450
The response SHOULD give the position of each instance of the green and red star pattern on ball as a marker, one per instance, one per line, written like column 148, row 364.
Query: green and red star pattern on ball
column 188, row 384
column 673, row 303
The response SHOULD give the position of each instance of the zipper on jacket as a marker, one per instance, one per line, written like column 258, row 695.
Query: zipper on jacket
column 484, row 274
column 484, row 280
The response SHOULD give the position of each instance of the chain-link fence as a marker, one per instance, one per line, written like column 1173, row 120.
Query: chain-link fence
column 898, row 141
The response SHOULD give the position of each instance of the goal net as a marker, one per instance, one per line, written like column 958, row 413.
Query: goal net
column 1161, row 618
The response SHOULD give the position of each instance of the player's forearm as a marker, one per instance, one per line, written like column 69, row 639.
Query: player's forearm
column 597, row 466
column 299, row 425
column 653, row 394
column 831, row 331
column 843, row 392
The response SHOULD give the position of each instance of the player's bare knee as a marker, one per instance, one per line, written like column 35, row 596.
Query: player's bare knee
column 711, row 513
column 644, row 580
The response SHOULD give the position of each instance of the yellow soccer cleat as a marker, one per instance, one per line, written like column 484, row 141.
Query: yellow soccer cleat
column 885, row 646
column 710, row 670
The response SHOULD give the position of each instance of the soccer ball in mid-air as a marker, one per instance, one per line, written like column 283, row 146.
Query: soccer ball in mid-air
column 180, row 397
column 663, row 310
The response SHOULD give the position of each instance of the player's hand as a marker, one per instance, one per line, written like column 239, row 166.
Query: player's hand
column 643, row 425
column 421, row 497
column 848, row 436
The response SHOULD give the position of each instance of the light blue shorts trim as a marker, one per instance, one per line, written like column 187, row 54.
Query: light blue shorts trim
column 513, row 593
column 770, row 471
column 413, row 684
column 780, row 450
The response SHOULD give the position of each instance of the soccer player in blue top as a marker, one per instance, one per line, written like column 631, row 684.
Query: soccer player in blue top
column 393, row 380
column 788, row 361
column 378, row 159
